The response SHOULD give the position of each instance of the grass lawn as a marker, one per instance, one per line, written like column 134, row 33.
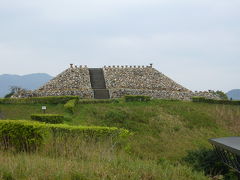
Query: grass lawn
column 163, row 133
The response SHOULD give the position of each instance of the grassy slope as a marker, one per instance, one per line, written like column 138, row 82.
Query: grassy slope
column 163, row 133
column 164, row 128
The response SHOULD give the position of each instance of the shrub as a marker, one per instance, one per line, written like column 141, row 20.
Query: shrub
column 114, row 116
column 22, row 136
column 27, row 136
column 6, row 175
column 96, row 101
column 9, row 95
column 69, row 106
column 214, row 101
column 222, row 95
column 198, row 99
column 206, row 160
column 38, row 100
column 48, row 118
column 88, row 132
column 131, row 98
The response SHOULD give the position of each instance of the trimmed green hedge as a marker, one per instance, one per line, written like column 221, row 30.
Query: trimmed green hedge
column 38, row 100
column 96, row 101
column 131, row 98
column 214, row 101
column 48, row 118
column 198, row 99
column 22, row 135
column 89, row 132
column 69, row 106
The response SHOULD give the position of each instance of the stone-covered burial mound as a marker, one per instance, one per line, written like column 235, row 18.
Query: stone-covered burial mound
column 114, row 82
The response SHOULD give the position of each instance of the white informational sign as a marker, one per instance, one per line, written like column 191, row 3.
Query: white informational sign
column 44, row 107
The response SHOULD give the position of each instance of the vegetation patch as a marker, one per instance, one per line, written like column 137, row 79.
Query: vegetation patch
column 1, row 114
column 96, row 101
column 48, row 118
column 114, row 116
column 27, row 136
column 131, row 98
column 209, row 162
column 38, row 100
column 69, row 106
column 194, row 116
column 214, row 101
column 164, row 133
column 21, row 135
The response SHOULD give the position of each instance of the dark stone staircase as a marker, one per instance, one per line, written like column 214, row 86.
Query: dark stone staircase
column 98, row 83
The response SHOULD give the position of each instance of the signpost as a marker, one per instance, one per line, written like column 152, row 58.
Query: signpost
column 44, row 108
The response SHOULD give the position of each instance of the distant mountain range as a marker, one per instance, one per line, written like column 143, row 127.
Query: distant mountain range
column 234, row 94
column 29, row 82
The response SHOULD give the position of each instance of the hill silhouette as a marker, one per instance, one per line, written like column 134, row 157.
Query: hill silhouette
column 234, row 94
column 29, row 82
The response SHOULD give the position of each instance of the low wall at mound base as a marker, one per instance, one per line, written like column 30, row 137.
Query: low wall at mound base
column 118, row 93
column 161, row 94
column 83, row 93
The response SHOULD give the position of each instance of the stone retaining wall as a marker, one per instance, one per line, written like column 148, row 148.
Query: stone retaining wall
column 83, row 93
column 161, row 94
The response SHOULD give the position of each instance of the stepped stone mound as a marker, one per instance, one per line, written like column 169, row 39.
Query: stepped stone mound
column 139, row 78
column 115, row 82
column 72, row 81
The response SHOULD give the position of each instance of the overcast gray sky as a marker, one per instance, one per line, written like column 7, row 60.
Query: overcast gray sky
column 195, row 42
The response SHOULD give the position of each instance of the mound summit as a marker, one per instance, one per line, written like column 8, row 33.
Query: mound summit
column 114, row 82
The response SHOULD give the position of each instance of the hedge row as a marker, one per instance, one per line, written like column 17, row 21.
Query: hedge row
column 214, row 101
column 48, row 118
column 96, row 101
column 131, row 98
column 69, row 106
column 21, row 135
column 38, row 100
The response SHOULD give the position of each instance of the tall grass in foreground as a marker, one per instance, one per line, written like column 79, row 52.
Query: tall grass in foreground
column 227, row 116
column 78, row 160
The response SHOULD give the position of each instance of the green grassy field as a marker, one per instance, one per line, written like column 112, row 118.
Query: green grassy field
column 163, row 133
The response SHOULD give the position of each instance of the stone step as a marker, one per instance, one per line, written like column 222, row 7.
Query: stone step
column 98, row 83
column 101, row 94
column 97, row 78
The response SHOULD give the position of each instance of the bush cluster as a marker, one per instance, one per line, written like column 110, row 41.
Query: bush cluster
column 38, row 100
column 116, row 116
column 209, row 162
column 69, row 106
column 21, row 135
column 214, row 101
column 131, row 98
column 27, row 136
column 96, row 101
column 48, row 118
column 87, row 132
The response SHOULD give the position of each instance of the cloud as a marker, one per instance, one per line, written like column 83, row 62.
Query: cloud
column 72, row 10
column 186, row 39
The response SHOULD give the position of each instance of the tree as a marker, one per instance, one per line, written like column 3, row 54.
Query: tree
column 222, row 95
column 13, row 90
